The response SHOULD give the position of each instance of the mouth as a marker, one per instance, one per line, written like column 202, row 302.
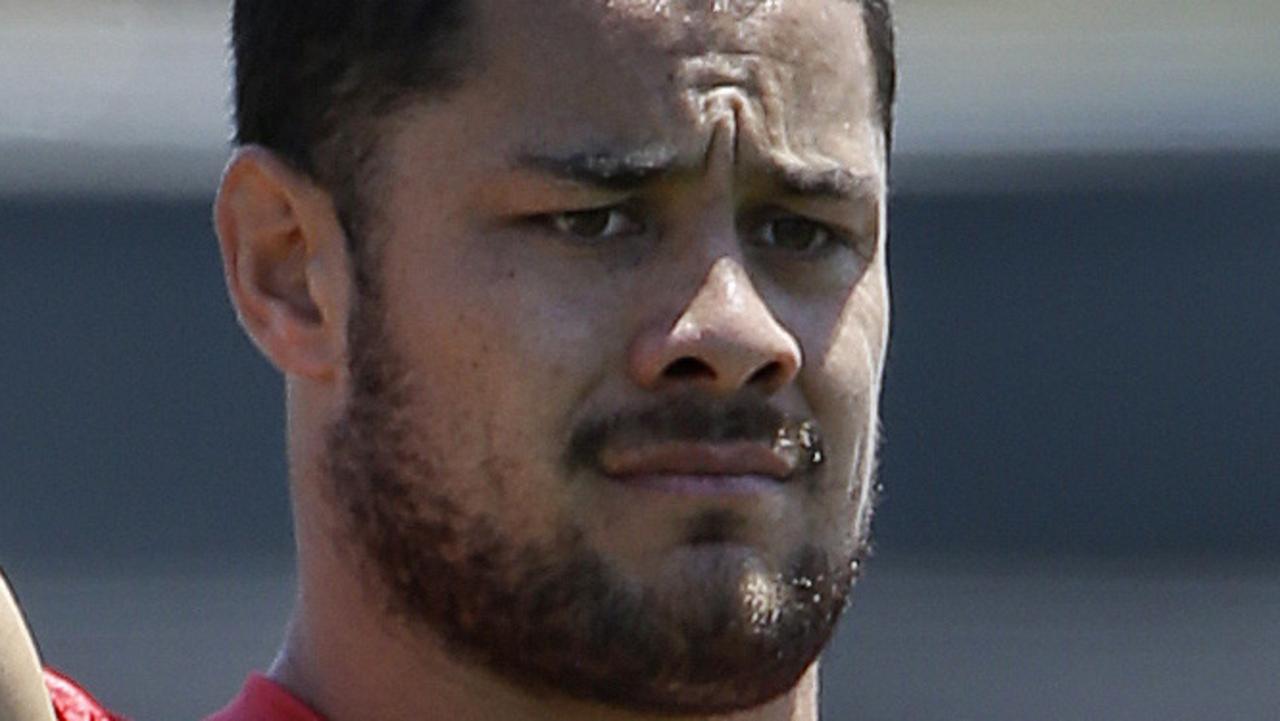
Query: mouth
column 700, row 468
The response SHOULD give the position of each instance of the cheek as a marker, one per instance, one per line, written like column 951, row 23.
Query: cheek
column 844, row 341
column 486, row 308
column 560, row 332
column 843, row 376
column 855, row 346
column 501, row 358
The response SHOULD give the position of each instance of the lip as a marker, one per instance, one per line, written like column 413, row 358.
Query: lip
column 698, row 465
column 702, row 485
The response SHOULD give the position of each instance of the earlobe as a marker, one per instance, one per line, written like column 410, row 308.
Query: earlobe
column 284, row 258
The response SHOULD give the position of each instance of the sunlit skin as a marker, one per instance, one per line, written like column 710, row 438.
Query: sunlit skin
column 624, row 202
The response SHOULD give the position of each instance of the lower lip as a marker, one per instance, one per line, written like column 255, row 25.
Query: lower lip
column 701, row 485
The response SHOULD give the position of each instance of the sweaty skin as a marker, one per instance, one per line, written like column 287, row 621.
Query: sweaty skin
column 628, row 205
column 645, row 91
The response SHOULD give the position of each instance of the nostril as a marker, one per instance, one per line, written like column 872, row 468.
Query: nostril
column 768, row 375
column 688, row 367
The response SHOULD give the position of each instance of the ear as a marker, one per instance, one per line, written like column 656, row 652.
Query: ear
column 286, row 265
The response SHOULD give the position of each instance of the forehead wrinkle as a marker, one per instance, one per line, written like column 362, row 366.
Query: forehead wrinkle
column 743, row 102
column 786, row 137
column 729, row 93
column 722, row 109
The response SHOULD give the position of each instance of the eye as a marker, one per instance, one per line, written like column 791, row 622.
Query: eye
column 795, row 234
column 594, row 223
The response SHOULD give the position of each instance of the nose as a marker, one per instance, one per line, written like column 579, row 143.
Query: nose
column 724, row 340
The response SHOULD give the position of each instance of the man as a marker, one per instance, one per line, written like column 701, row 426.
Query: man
column 582, row 310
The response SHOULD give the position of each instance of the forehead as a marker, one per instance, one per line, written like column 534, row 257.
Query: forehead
column 647, row 71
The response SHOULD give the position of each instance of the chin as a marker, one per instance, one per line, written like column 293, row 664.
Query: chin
column 729, row 631
column 717, row 630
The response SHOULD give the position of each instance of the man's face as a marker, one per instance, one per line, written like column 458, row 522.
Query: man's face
column 613, row 385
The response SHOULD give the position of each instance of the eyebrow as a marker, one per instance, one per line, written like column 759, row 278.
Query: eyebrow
column 606, row 170
column 635, row 169
column 831, row 183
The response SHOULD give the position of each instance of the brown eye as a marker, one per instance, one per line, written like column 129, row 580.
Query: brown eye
column 594, row 223
column 795, row 235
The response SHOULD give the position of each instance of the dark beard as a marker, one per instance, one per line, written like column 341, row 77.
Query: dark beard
column 557, row 615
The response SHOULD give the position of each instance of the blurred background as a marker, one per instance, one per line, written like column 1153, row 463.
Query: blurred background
column 1082, row 408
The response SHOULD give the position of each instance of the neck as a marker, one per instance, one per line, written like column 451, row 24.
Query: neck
column 346, row 659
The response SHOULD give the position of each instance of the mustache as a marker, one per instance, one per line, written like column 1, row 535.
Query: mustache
column 699, row 419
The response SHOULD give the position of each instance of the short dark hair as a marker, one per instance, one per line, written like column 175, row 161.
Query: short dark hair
column 877, row 16
column 312, row 78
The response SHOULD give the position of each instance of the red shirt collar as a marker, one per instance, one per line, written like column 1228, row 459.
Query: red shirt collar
column 265, row 700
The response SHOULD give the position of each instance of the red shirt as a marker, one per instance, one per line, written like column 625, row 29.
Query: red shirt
column 72, row 703
column 264, row 700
